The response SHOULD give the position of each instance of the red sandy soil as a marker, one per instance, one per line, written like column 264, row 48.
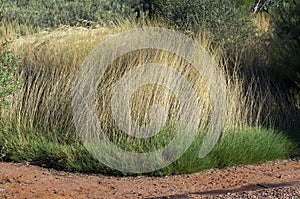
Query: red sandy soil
column 279, row 179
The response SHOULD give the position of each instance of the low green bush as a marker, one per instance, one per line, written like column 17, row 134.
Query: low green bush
column 9, row 62
column 238, row 147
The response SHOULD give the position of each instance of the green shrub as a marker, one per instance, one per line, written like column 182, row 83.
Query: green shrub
column 8, row 66
column 286, row 21
column 195, row 14
column 53, row 13
column 225, row 24
column 239, row 147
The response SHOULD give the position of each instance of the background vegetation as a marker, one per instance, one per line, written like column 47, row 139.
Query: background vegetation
column 9, row 62
column 258, row 55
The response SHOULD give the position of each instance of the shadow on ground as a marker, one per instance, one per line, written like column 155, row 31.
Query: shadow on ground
column 253, row 187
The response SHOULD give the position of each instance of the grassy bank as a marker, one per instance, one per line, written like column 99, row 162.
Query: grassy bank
column 244, row 146
column 37, row 123
column 39, row 128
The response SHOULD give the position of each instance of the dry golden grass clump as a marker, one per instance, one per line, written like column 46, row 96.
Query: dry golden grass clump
column 52, row 60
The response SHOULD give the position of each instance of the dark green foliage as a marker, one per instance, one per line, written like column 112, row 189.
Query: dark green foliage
column 227, row 25
column 286, row 20
column 142, row 9
column 195, row 14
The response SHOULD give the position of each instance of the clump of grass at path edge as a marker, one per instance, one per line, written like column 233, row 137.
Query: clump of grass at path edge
column 241, row 146
column 39, row 127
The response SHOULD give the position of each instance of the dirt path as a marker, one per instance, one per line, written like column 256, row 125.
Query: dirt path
column 281, row 180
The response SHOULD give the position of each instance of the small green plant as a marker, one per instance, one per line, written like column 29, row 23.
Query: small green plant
column 9, row 62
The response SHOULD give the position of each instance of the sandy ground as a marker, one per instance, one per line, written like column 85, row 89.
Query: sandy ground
column 279, row 179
